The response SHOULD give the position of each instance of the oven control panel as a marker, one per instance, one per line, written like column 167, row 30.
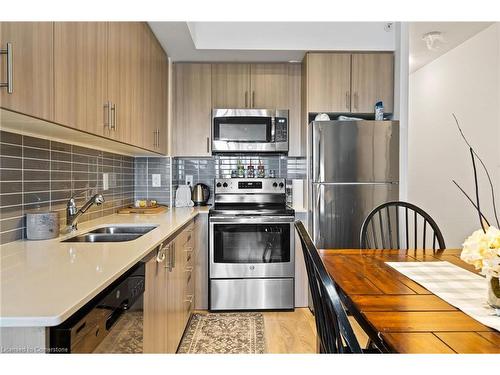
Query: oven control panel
column 250, row 185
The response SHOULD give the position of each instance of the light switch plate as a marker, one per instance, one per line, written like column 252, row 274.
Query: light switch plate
column 189, row 179
column 156, row 180
column 105, row 181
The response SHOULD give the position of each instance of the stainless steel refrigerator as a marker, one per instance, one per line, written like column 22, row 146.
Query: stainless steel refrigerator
column 353, row 167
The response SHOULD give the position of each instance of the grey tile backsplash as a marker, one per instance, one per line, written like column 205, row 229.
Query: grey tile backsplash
column 145, row 168
column 204, row 170
column 38, row 174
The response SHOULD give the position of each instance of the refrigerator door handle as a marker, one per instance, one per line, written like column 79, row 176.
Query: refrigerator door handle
column 317, row 206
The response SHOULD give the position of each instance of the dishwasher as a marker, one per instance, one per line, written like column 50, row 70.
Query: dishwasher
column 85, row 330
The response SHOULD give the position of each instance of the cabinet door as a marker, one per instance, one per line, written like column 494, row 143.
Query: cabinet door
column 32, row 68
column 269, row 86
column 201, row 263
column 328, row 82
column 80, row 75
column 161, row 89
column 372, row 81
column 175, row 293
column 124, row 85
column 231, row 86
column 297, row 136
column 147, row 130
column 155, row 308
column 192, row 110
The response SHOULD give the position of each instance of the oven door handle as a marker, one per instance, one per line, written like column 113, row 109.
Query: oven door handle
column 253, row 219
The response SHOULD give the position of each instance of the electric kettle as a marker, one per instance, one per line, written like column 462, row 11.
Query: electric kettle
column 200, row 195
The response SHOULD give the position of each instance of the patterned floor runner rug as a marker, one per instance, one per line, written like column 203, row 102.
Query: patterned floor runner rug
column 224, row 333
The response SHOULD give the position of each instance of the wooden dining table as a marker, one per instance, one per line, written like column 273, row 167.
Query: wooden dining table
column 398, row 314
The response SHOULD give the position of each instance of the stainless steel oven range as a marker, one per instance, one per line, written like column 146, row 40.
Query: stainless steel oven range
column 251, row 250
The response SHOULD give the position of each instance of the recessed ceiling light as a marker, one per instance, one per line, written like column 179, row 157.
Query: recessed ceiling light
column 294, row 61
column 433, row 40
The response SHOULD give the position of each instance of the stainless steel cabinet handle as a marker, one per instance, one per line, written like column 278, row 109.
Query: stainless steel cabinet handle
column 114, row 126
column 253, row 99
column 347, row 104
column 107, row 115
column 356, row 99
column 10, row 72
column 158, row 132
column 173, row 256
column 208, row 145
column 168, row 250
column 246, row 99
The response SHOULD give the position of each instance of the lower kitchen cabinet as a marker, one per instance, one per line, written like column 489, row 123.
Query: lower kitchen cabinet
column 169, row 295
column 200, row 263
column 155, row 304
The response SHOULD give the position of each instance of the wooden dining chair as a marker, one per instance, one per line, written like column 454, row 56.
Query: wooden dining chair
column 333, row 328
column 400, row 225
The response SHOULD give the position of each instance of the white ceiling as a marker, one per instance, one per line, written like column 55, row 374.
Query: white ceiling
column 454, row 33
column 267, row 41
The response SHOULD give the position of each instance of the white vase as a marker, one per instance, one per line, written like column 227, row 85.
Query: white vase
column 494, row 292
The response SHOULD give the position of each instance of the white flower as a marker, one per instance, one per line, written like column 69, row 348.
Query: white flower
column 482, row 250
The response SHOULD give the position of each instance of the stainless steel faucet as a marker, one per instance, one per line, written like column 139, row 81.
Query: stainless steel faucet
column 73, row 214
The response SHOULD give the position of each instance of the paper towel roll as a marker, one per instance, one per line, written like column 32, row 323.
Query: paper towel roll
column 298, row 194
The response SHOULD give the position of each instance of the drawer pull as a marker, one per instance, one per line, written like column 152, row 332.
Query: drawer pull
column 189, row 269
column 8, row 52
column 189, row 298
column 188, row 249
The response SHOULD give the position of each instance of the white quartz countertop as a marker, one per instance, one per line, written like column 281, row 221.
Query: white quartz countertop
column 44, row 282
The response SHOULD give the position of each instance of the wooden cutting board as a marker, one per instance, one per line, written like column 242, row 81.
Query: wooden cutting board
column 143, row 210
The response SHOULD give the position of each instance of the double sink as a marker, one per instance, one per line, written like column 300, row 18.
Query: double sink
column 112, row 234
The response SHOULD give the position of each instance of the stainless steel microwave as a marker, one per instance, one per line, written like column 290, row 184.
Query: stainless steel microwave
column 249, row 130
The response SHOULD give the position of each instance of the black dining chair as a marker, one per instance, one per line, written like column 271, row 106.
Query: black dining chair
column 400, row 225
column 333, row 328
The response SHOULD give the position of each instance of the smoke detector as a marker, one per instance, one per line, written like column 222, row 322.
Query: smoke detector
column 433, row 40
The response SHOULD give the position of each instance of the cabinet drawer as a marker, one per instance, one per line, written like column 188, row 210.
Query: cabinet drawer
column 186, row 236
column 188, row 307
column 189, row 255
column 189, row 280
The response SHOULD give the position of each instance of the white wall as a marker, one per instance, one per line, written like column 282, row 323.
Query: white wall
column 401, row 82
column 464, row 81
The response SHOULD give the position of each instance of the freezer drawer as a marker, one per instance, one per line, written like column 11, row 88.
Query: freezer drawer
column 338, row 211
column 251, row 294
column 355, row 151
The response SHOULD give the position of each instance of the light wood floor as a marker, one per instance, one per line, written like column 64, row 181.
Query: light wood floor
column 294, row 332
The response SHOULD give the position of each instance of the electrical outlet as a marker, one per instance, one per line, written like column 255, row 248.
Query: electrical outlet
column 105, row 181
column 156, row 180
column 189, row 179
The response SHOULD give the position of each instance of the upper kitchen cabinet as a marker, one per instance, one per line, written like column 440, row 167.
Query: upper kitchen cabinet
column 151, row 130
column 328, row 82
column 269, row 86
column 349, row 82
column 372, row 81
column 250, row 86
column 27, row 68
column 297, row 134
column 192, row 107
column 80, row 76
column 124, row 52
column 231, row 86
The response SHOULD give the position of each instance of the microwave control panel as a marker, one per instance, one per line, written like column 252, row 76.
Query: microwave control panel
column 281, row 132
